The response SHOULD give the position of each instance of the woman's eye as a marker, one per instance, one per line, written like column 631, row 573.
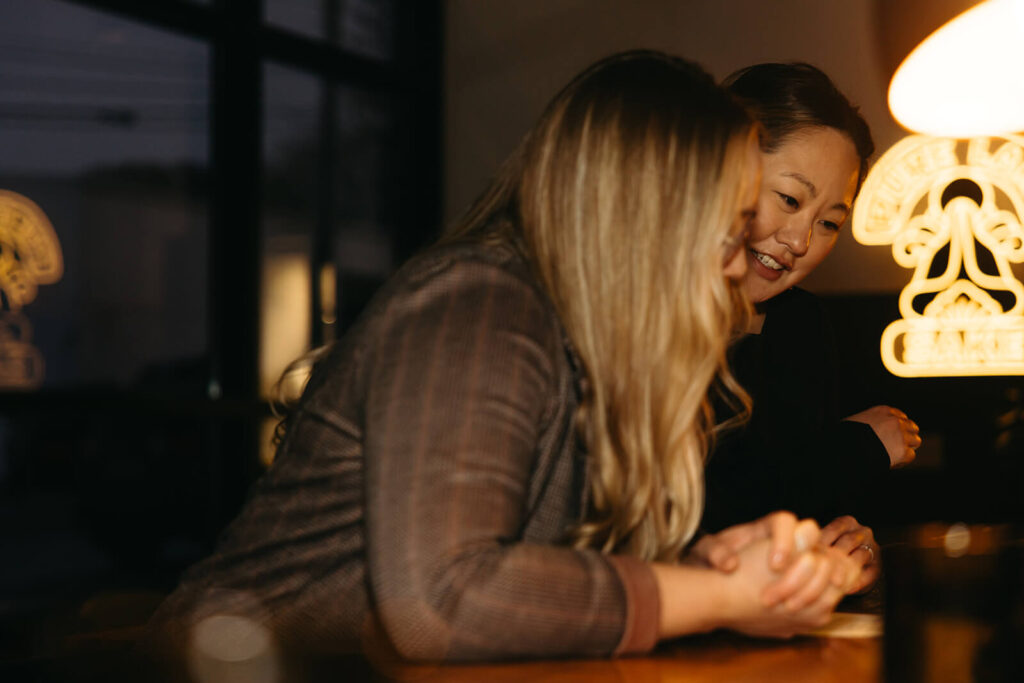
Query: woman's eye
column 788, row 201
column 830, row 225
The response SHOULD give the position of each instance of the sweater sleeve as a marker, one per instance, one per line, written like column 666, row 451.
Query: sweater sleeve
column 460, row 386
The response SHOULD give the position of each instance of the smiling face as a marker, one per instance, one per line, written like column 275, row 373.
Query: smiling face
column 807, row 188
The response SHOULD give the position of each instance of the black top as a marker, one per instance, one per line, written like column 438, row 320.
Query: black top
column 795, row 454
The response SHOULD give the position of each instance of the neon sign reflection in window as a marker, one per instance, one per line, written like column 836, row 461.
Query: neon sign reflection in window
column 30, row 255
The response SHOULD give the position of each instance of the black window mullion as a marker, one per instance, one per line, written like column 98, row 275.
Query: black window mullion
column 235, row 238
column 235, row 245
column 419, row 51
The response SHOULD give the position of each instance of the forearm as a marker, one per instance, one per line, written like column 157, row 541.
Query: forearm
column 693, row 599
column 517, row 601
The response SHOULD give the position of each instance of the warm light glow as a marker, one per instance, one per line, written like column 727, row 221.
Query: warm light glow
column 285, row 326
column 285, row 320
column 328, row 294
column 30, row 256
column 966, row 79
column 228, row 648
column 927, row 195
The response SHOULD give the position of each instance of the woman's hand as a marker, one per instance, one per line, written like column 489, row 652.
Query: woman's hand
column 788, row 538
column 755, row 591
column 753, row 598
column 857, row 542
column 897, row 432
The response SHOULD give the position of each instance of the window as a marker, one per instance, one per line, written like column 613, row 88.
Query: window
column 228, row 181
column 105, row 128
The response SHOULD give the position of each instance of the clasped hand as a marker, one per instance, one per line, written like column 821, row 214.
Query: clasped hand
column 789, row 572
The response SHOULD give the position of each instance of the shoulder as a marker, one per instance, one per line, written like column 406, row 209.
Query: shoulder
column 467, row 264
column 468, row 279
column 448, row 309
column 457, row 294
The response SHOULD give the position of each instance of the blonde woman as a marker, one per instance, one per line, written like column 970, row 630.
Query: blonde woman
column 504, row 457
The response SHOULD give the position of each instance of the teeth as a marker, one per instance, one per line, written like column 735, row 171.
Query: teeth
column 768, row 261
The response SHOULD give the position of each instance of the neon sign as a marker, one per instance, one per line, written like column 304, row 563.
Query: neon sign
column 933, row 198
column 30, row 255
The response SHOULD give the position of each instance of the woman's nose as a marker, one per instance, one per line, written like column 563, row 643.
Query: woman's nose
column 796, row 235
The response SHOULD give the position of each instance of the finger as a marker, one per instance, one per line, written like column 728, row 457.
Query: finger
column 867, row 578
column 723, row 558
column 843, row 568
column 850, row 541
column 844, row 571
column 820, row 611
column 898, row 413
column 740, row 536
column 820, row 580
column 806, row 535
column 912, row 426
column 913, row 440
column 794, row 577
column 782, row 527
column 863, row 555
column 836, row 528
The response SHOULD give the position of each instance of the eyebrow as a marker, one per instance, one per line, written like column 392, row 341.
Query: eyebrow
column 806, row 182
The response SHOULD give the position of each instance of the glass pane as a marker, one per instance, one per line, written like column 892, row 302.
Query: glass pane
column 104, row 127
column 367, row 27
column 305, row 17
column 367, row 194
column 350, row 194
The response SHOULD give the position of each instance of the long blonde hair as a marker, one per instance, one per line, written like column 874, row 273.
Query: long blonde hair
column 622, row 195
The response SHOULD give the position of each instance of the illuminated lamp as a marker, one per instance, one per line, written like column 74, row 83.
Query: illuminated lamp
column 966, row 78
column 954, row 193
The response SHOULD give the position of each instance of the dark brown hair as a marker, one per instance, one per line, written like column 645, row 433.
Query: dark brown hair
column 786, row 98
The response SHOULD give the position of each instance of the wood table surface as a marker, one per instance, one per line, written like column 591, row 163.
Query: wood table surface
column 702, row 659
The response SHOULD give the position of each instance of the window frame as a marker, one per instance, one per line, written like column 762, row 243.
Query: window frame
column 241, row 44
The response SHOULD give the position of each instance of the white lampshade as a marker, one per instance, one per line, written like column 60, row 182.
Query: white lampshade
column 967, row 78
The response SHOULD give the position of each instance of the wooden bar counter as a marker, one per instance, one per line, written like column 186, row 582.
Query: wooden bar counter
column 703, row 659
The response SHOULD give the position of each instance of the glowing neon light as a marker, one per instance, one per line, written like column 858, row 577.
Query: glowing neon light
column 928, row 194
column 30, row 255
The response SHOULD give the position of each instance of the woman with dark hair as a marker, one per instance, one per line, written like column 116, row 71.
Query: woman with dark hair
column 795, row 453
column 504, row 457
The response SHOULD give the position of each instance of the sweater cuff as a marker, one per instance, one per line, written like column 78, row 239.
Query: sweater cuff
column 643, row 605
